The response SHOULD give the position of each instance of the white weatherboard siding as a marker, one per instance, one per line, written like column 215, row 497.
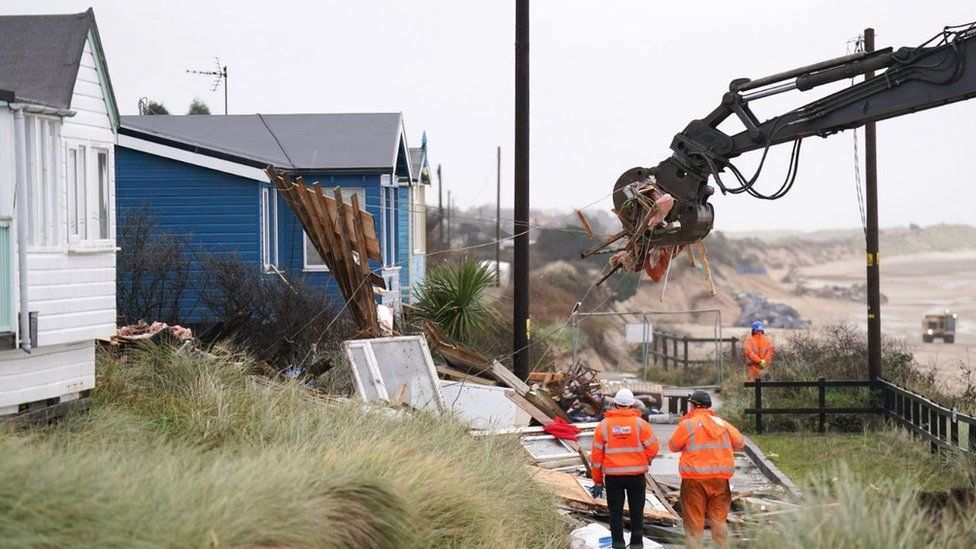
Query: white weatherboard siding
column 73, row 288
column 48, row 372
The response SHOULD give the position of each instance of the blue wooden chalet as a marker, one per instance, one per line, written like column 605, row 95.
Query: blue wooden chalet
column 202, row 177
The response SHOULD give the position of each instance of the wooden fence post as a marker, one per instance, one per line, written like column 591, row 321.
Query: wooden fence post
column 686, row 352
column 822, row 403
column 759, row 427
column 674, row 346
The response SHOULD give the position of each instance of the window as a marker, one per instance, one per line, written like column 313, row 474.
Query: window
column 313, row 261
column 104, row 206
column 89, row 182
column 43, row 204
column 419, row 216
column 269, row 228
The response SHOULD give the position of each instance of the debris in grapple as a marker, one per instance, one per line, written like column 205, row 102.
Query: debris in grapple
column 646, row 208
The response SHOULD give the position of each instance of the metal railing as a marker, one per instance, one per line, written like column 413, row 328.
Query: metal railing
column 651, row 336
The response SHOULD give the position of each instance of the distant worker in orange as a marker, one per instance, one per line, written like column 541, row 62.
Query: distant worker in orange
column 759, row 351
column 623, row 447
column 706, row 443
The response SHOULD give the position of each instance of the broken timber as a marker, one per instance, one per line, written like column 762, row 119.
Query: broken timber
column 345, row 237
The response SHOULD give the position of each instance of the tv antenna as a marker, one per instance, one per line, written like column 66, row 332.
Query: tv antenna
column 220, row 75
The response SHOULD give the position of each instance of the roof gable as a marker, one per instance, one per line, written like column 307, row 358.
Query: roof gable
column 294, row 142
column 40, row 55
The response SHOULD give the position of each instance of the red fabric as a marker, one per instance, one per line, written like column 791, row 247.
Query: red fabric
column 562, row 430
column 656, row 264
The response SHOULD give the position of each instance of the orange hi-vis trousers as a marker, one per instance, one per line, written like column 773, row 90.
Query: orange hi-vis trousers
column 701, row 498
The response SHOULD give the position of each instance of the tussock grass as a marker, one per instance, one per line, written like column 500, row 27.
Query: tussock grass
column 184, row 451
column 842, row 510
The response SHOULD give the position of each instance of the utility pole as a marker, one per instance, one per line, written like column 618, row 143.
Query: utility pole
column 447, row 245
column 440, row 205
column 520, row 269
column 498, row 220
column 871, row 236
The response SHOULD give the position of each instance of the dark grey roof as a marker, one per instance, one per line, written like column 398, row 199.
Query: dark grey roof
column 306, row 142
column 39, row 55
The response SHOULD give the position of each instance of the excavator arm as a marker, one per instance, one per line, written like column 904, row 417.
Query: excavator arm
column 938, row 72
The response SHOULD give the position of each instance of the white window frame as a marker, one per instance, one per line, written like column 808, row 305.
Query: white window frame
column 307, row 246
column 419, row 219
column 43, row 182
column 269, row 228
column 88, row 235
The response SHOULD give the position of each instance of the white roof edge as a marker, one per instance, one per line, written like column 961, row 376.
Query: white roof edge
column 193, row 158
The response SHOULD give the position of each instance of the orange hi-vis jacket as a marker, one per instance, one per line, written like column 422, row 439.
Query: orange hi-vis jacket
column 758, row 348
column 706, row 443
column 623, row 444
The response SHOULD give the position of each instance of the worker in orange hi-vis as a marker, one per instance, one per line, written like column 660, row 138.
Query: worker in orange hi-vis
column 759, row 351
column 707, row 443
column 623, row 447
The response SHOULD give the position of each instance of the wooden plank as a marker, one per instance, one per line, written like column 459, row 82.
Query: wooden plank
column 544, row 402
column 367, row 310
column 703, row 257
column 520, row 401
column 372, row 240
column 360, row 238
column 457, row 375
column 507, row 377
column 586, row 225
column 567, row 487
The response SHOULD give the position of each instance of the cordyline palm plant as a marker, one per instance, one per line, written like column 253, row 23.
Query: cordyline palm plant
column 454, row 298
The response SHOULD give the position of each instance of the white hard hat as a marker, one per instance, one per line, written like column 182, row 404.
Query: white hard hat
column 624, row 397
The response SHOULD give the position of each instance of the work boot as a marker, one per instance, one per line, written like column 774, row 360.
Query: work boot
column 615, row 545
column 632, row 546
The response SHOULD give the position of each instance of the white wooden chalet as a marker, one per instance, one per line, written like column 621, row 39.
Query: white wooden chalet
column 58, row 124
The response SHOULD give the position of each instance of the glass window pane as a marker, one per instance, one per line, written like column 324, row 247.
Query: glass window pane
column 81, row 190
column 103, row 196
column 32, row 195
column 72, row 177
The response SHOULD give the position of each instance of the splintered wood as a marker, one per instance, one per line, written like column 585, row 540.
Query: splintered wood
column 344, row 235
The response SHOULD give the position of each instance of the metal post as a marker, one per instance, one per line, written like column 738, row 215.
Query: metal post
column 822, row 404
column 498, row 220
column 447, row 246
column 759, row 428
column 664, row 348
column 645, row 335
column 440, row 206
column 575, row 337
column 871, row 237
column 521, row 266
column 225, row 91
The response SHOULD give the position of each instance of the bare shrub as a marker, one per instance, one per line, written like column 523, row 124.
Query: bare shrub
column 152, row 269
column 285, row 322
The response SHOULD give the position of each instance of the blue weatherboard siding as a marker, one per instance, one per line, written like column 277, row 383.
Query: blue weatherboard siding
column 220, row 213
column 403, row 239
column 215, row 212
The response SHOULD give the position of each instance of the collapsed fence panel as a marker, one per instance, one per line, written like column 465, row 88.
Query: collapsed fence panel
column 344, row 235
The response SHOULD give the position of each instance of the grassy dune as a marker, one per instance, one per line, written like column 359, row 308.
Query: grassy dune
column 192, row 452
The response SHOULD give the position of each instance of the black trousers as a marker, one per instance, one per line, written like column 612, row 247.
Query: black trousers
column 635, row 488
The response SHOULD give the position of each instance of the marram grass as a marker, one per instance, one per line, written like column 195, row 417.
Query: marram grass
column 184, row 451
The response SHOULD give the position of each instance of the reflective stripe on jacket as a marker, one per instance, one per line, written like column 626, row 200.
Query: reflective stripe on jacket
column 706, row 443
column 758, row 347
column 623, row 444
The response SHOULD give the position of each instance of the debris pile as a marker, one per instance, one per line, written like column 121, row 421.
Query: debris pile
column 774, row 315
column 142, row 331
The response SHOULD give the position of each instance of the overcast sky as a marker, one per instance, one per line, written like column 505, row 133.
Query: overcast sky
column 612, row 82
